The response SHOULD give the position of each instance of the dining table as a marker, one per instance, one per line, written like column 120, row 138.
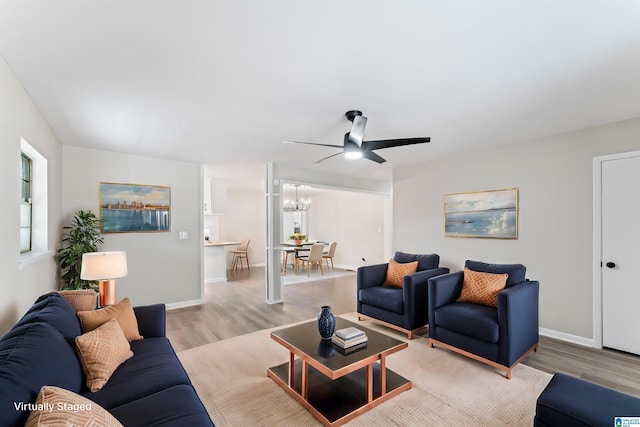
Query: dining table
column 288, row 248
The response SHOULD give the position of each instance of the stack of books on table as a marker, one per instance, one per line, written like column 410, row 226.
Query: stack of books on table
column 349, row 339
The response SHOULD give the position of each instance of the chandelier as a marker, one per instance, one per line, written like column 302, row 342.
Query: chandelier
column 297, row 204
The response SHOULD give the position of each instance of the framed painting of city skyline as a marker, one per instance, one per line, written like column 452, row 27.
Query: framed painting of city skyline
column 489, row 214
column 134, row 208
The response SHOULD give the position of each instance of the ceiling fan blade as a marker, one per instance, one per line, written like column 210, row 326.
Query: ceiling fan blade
column 328, row 157
column 357, row 130
column 372, row 156
column 311, row 143
column 388, row 143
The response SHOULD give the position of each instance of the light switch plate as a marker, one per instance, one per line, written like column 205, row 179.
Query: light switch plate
column 183, row 235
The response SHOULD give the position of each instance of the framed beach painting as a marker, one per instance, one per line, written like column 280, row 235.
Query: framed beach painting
column 489, row 214
column 134, row 208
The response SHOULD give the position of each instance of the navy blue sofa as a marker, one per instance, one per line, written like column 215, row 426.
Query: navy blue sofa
column 572, row 402
column 498, row 337
column 150, row 389
column 401, row 309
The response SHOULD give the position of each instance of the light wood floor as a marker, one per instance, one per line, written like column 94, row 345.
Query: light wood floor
column 237, row 308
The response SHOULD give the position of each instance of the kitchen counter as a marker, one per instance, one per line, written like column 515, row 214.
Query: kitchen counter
column 215, row 260
column 218, row 243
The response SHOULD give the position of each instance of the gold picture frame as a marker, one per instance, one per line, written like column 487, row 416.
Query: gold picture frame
column 134, row 208
column 489, row 214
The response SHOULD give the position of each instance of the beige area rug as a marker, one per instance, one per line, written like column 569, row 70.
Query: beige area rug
column 448, row 389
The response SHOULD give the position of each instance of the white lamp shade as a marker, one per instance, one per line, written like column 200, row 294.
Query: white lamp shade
column 103, row 265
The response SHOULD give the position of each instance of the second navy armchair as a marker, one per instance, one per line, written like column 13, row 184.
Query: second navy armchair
column 499, row 336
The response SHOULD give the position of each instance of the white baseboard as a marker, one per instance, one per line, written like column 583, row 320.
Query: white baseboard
column 347, row 267
column 260, row 264
column 183, row 304
column 563, row 336
column 220, row 279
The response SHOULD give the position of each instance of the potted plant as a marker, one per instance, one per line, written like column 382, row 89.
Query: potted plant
column 83, row 235
column 298, row 238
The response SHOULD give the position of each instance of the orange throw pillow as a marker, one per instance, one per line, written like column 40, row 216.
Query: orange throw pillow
column 396, row 272
column 80, row 299
column 482, row 288
column 122, row 312
column 56, row 406
column 101, row 351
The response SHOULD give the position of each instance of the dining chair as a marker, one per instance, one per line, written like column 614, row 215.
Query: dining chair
column 328, row 256
column 314, row 257
column 240, row 253
column 301, row 250
column 285, row 259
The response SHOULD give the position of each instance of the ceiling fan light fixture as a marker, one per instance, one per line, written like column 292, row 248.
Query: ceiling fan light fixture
column 352, row 151
column 355, row 148
column 353, row 155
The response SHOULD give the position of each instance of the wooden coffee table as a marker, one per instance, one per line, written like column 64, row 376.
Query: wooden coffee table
column 333, row 386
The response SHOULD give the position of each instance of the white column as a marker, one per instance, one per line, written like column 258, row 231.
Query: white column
column 273, row 279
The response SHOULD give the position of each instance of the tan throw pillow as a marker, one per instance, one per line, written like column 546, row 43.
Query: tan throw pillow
column 396, row 272
column 482, row 288
column 122, row 312
column 59, row 407
column 80, row 299
column 101, row 351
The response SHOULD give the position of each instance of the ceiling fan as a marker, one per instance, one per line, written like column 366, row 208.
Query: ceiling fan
column 354, row 147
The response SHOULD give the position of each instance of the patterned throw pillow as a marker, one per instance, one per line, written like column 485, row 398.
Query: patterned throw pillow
column 482, row 288
column 59, row 407
column 122, row 312
column 101, row 351
column 396, row 272
column 80, row 299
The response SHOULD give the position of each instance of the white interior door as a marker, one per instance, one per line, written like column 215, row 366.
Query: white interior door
column 621, row 254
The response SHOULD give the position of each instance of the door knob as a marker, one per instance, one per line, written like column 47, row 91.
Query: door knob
column 611, row 264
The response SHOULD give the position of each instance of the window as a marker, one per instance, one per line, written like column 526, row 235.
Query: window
column 25, row 204
column 34, row 209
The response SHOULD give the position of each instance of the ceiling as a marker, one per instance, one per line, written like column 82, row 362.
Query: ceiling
column 225, row 82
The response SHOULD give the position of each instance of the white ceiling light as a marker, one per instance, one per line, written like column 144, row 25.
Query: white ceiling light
column 352, row 151
column 352, row 155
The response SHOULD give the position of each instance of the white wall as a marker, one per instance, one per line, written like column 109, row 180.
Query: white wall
column 277, row 175
column 19, row 117
column 370, row 190
column 353, row 219
column 245, row 219
column 554, row 177
column 162, row 268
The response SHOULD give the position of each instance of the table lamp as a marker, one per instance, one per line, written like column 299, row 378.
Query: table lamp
column 104, row 267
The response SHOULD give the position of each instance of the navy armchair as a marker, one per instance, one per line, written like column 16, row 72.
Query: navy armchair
column 499, row 337
column 403, row 309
